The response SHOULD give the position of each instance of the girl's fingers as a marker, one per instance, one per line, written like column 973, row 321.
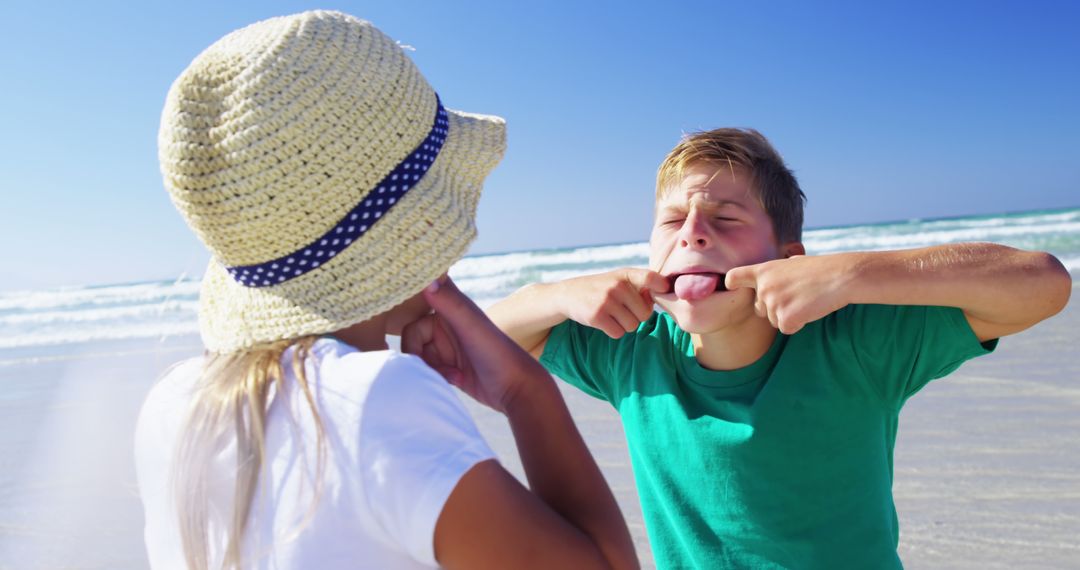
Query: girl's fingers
column 443, row 341
column 458, row 312
column 453, row 346
column 451, row 374
column 415, row 335
column 431, row 356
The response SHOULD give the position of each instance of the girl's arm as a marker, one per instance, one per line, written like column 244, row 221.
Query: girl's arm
column 569, row 518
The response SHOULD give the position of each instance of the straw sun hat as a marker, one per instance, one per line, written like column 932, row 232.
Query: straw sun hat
column 323, row 174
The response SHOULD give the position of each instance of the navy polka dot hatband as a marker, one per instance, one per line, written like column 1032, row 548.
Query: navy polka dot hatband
column 366, row 213
column 322, row 172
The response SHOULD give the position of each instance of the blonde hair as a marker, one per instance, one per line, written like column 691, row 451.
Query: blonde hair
column 772, row 182
column 230, row 405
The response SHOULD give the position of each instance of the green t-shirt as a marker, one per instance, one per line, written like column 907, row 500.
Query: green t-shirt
column 786, row 463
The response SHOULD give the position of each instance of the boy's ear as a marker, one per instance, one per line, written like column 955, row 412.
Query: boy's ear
column 794, row 248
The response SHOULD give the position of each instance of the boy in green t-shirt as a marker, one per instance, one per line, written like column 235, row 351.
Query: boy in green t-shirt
column 761, row 407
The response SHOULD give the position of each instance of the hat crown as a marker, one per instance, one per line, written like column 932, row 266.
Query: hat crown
column 276, row 131
column 323, row 174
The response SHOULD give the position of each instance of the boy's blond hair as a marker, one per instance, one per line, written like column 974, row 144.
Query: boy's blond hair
column 773, row 183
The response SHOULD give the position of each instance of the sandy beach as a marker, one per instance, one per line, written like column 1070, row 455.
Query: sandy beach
column 987, row 461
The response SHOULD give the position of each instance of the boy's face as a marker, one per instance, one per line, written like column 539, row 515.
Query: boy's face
column 709, row 223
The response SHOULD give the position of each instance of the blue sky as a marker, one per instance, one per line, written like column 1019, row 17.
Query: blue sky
column 885, row 110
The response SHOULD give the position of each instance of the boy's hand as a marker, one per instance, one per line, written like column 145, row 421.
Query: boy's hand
column 462, row 345
column 794, row 291
column 615, row 302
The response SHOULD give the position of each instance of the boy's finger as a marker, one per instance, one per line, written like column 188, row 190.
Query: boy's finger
column 792, row 328
column 610, row 327
column 641, row 307
column 626, row 318
column 740, row 277
column 647, row 279
column 760, row 308
column 637, row 302
column 773, row 319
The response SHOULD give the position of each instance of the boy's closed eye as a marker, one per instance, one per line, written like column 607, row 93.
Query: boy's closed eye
column 679, row 220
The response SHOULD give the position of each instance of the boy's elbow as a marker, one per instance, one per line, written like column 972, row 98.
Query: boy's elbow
column 1057, row 282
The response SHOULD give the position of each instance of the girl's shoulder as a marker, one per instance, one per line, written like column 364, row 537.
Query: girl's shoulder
column 175, row 383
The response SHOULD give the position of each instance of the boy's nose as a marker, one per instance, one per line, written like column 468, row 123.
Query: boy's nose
column 695, row 235
column 699, row 242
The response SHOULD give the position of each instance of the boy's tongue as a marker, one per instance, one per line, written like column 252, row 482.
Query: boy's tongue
column 692, row 286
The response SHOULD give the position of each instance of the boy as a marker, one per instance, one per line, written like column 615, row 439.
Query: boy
column 761, row 408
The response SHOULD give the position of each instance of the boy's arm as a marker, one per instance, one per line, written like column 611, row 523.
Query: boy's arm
column 615, row 302
column 1001, row 290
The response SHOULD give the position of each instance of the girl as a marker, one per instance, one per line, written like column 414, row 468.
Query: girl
column 333, row 190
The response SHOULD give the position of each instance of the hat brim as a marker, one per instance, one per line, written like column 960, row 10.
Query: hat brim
column 415, row 242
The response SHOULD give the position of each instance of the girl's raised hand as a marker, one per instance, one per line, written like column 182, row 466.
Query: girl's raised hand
column 459, row 342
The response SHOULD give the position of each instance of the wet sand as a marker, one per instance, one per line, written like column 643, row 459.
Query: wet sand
column 987, row 461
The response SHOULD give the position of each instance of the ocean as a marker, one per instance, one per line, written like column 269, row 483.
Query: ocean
column 47, row 324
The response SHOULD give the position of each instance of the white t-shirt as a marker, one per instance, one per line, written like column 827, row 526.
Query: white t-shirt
column 397, row 439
